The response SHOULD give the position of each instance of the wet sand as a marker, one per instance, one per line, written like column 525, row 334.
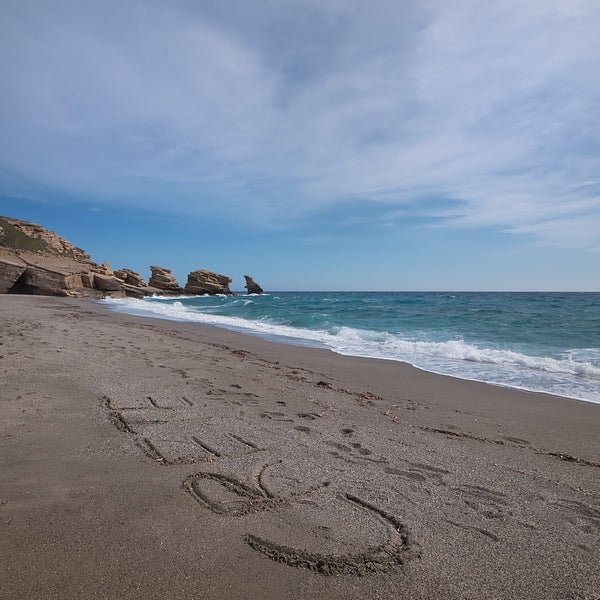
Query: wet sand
column 151, row 459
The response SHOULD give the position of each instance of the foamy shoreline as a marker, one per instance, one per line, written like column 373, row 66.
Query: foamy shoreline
column 144, row 458
column 508, row 366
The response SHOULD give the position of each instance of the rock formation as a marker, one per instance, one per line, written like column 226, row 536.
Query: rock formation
column 133, row 284
column 11, row 268
column 252, row 286
column 206, row 282
column 30, row 237
column 34, row 260
column 162, row 279
column 130, row 277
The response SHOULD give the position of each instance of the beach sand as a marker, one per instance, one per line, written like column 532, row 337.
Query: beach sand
column 159, row 460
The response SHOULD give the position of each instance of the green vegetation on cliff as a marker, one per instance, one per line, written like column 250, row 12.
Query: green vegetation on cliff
column 11, row 237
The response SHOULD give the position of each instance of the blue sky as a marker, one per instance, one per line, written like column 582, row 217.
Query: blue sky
column 331, row 144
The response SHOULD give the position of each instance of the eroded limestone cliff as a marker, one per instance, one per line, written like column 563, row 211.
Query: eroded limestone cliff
column 34, row 260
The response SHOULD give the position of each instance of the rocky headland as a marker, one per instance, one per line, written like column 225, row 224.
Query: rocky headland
column 34, row 260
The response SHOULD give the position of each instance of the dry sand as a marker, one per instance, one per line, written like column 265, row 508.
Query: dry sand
column 150, row 459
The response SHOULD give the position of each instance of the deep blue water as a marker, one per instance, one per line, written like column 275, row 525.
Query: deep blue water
column 547, row 342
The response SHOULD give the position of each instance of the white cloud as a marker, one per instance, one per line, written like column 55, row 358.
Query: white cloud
column 491, row 106
column 578, row 231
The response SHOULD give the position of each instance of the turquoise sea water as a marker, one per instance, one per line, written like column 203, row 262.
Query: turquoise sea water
column 548, row 342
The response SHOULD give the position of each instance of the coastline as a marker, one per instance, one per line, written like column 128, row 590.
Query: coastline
column 524, row 344
column 150, row 458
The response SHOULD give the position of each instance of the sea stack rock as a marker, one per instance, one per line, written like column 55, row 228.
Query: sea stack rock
column 133, row 284
column 252, row 286
column 206, row 282
column 130, row 277
column 162, row 279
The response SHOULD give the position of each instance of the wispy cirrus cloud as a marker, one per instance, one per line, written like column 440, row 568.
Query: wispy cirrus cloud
column 269, row 114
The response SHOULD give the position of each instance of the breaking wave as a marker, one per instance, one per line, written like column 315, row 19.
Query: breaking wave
column 572, row 373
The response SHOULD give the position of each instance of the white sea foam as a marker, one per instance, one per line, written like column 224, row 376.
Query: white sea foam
column 573, row 375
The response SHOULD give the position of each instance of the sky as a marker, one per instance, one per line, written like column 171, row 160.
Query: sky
column 312, row 144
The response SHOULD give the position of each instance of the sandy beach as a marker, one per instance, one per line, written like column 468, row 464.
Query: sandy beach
column 151, row 459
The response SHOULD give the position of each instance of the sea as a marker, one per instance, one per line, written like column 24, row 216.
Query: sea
column 545, row 342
